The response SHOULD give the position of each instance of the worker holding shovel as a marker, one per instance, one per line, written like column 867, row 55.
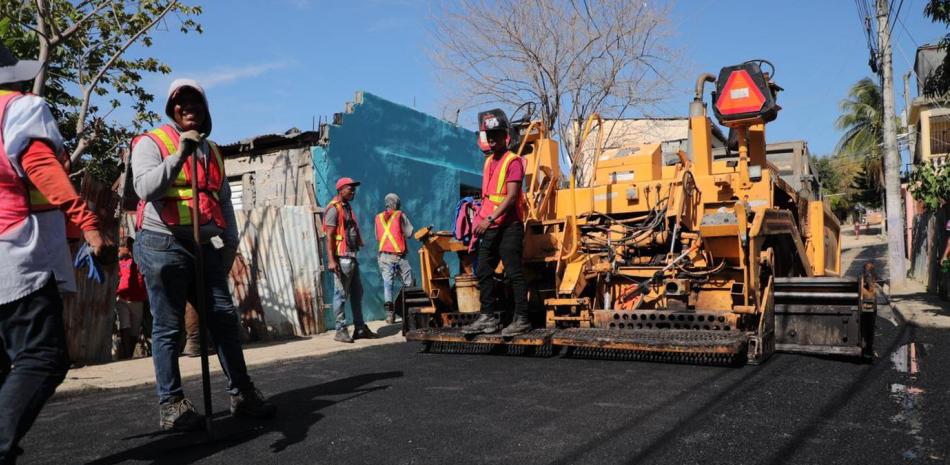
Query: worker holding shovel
column 187, row 239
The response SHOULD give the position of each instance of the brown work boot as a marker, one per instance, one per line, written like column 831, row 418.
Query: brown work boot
column 487, row 323
column 342, row 335
column 363, row 332
column 179, row 414
column 251, row 403
column 519, row 325
column 390, row 313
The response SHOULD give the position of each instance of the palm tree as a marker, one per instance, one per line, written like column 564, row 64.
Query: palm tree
column 862, row 122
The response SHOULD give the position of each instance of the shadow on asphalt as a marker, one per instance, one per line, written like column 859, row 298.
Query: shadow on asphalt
column 298, row 410
column 737, row 389
column 389, row 330
column 872, row 254
column 607, row 437
column 835, row 404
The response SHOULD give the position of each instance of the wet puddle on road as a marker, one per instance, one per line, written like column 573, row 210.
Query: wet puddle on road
column 905, row 359
column 910, row 400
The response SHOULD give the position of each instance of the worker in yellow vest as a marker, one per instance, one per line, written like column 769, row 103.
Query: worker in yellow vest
column 499, row 227
column 165, row 252
column 392, row 229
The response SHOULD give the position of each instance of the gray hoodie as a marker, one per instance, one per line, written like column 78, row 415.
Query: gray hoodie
column 152, row 175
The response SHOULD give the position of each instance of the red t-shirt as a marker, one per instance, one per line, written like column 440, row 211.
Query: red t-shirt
column 131, row 284
column 47, row 174
column 515, row 174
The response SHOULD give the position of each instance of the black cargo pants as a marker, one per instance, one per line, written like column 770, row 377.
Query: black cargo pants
column 505, row 243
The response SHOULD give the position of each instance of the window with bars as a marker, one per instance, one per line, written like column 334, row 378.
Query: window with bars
column 940, row 135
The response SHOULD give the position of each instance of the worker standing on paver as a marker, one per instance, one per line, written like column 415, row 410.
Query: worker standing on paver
column 392, row 229
column 499, row 228
column 35, row 192
column 165, row 248
column 343, row 243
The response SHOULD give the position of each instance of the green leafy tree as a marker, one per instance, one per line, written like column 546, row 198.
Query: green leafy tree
column 862, row 121
column 930, row 184
column 865, row 191
column 836, row 174
column 88, row 72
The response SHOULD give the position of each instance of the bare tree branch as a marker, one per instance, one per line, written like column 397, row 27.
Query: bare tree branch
column 573, row 57
column 69, row 31
column 43, row 33
column 84, row 139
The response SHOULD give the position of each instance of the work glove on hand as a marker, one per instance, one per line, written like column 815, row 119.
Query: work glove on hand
column 102, row 248
column 85, row 258
column 188, row 142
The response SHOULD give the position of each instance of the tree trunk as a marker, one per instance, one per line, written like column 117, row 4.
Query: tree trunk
column 39, row 82
column 896, row 265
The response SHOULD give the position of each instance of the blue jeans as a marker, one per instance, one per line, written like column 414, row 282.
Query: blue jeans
column 167, row 264
column 33, row 338
column 389, row 265
column 347, row 286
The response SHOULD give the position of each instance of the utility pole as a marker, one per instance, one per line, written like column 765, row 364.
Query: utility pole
column 911, row 130
column 896, row 265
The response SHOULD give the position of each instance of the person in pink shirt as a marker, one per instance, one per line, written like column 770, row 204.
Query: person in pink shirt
column 499, row 228
column 130, row 300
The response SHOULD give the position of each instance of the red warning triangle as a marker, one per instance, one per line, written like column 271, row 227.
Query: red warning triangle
column 740, row 95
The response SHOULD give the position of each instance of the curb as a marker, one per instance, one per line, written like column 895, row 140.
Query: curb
column 75, row 390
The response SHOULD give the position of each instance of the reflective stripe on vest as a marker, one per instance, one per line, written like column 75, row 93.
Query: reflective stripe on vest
column 389, row 233
column 501, row 188
column 38, row 201
column 176, row 207
column 339, row 232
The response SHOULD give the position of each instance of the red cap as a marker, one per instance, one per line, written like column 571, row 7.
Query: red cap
column 345, row 182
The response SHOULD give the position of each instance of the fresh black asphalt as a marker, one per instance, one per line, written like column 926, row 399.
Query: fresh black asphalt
column 393, row 405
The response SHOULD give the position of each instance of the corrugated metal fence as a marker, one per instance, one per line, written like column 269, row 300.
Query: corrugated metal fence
column 276, row 278
column 89, row 314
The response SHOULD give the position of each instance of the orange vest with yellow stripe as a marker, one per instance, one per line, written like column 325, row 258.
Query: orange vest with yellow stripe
column 339, row 232
column 389, row 232
column 495, row 189
column 176, row 203
column 37, row 201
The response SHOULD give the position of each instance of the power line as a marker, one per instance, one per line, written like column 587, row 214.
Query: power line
column 909, row 35
column 892, row 24
column 897, row 14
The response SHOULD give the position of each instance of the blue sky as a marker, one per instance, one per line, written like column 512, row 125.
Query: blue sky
column 273, row 65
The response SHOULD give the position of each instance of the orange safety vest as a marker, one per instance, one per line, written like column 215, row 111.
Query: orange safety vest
column 18, row 197
column 176, row 203
column 494, row 187
column 389, row 232
column 339, row 232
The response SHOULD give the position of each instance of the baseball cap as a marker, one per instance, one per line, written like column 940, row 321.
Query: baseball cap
column 345, row 182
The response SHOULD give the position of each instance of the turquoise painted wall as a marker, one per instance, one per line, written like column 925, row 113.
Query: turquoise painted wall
column 393, row 148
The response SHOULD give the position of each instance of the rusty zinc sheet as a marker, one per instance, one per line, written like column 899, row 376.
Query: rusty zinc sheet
column 303, row 249
column 89, row 314
column 280, row 281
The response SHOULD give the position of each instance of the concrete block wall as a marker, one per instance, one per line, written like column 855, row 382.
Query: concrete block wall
column 393, row 148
